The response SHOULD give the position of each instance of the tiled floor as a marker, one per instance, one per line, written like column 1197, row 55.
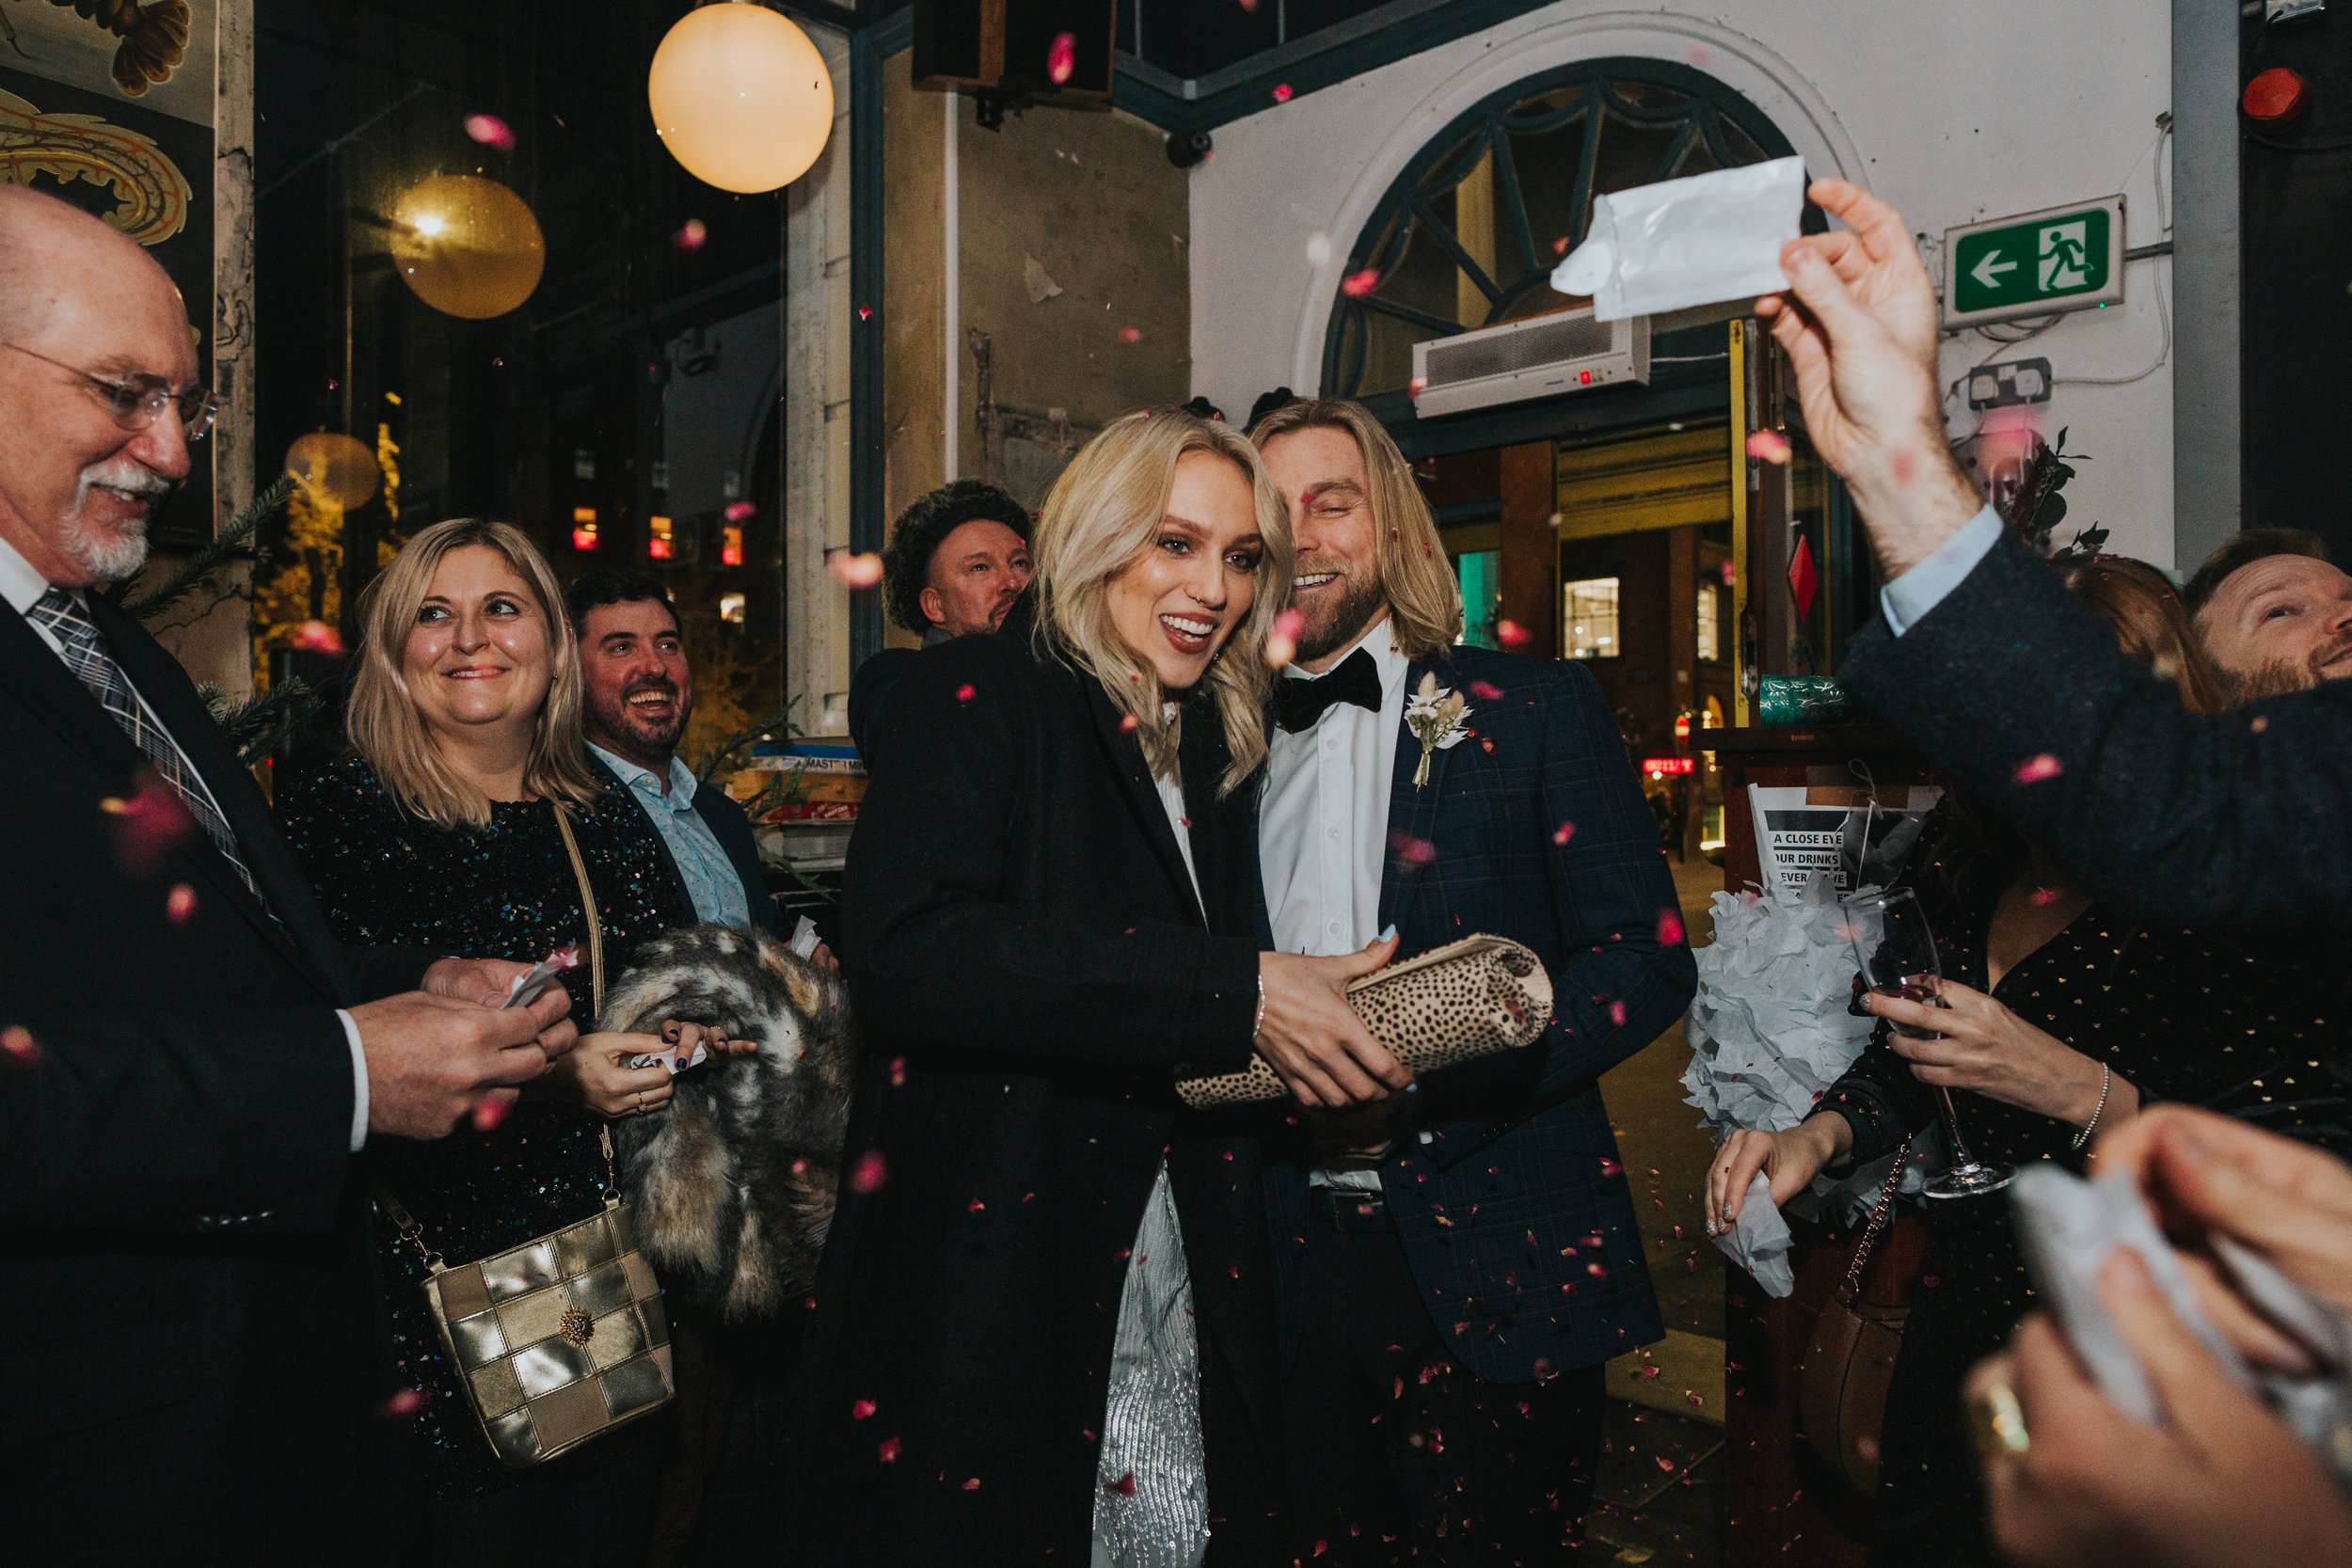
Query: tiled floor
column 1659, row 1494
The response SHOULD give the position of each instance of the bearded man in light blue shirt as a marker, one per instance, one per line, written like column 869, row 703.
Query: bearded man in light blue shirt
column 639, row 692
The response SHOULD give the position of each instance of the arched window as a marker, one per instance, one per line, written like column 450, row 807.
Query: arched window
column 1469, row 234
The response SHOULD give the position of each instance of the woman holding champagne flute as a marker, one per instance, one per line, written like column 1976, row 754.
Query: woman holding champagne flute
column 2055, row 1018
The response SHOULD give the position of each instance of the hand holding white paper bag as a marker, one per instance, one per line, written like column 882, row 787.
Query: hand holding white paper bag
column 1759, row 1239
column 1681, row 243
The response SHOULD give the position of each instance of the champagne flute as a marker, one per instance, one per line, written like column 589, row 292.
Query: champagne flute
column 1897, row 952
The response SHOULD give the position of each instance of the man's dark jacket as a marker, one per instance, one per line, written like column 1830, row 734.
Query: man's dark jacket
column 188, row 1366
column 1510, row 1199
column 728, row 825
column 2019, row 692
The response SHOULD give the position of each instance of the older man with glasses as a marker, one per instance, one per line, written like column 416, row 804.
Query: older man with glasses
column 189, row 1063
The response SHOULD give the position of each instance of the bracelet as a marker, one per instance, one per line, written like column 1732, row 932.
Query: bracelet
column 2107, row 1080
column 1257, row 1024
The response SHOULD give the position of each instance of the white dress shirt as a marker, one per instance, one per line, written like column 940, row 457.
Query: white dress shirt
column 20, row 586
column 1908, row 599
column 1322, row 827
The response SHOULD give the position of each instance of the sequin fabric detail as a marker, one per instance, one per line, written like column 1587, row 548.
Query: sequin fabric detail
column 507, row 890
column 2199, row 1017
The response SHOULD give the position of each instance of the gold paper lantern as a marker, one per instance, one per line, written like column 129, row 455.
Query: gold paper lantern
column 340, row 468
column 740, row 97
column 467, row 245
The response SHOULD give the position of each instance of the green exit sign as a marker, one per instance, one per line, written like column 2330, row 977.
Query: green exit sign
column 2034, row 265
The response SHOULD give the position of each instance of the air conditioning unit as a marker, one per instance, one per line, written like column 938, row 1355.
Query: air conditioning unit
column 1566, row 353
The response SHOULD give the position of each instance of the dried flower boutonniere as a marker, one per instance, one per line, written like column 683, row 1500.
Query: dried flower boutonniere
column 1434, row 715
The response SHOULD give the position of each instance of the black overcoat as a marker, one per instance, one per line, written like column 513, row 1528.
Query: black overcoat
column 1024, row 950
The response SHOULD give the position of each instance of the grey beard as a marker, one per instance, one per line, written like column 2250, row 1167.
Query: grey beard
column 107, row 560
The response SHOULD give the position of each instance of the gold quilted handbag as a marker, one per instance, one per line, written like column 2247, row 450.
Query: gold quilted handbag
column 564, row 1337
column 1452, row 1005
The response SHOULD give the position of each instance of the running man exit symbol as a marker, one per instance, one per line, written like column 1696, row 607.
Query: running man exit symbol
column 2064, row 259
column 2065, row 256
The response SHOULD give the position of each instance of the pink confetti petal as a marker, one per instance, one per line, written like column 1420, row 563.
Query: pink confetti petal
column 854, row 571
column 1511, row 634
column 1563, row 833
column 971, row 1485
column 1669, row 928
column 965, row 692
column 318, row 636
column 149, row 825
column 1061, row 59
column 1356, row 285
column 402, row 1405
column 1282, row 643
column 889, row 1451
column 898, row 1072
column 17, row 1043
column 2043, row 896
column 1769, row 446
column 692, row 235
column 180, row 903
column 490, row 131
column 865, row 312
column 1131, row 334
column 1129, row 724
column 1414, row 387
column 862, row 1409
column 1616, row 1013
column 1411, row 850
column 490, row 1110
column 2036, row 769
column 737, row 510
column 869, row 1173
column 1283, row 92
column 1486, row 692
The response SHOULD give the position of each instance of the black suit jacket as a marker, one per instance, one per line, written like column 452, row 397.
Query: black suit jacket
column 2236, row 819
column 187, row 1363
column 728, row 825
column 1024, row 951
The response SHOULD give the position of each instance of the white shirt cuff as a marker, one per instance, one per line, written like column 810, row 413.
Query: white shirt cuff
column 1908, row 599
column 358, row 1080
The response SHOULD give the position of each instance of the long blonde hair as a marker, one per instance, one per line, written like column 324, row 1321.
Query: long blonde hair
column 383, row 720
column 1101, row 516
column 1416, row 577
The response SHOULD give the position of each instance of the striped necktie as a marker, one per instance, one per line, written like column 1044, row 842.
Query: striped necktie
column 86, row 656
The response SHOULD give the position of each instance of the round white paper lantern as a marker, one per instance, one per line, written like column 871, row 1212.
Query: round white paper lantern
column 740, row 97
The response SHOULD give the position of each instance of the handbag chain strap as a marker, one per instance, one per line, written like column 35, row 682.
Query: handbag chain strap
column 1878, row 1223
column 405, row 1222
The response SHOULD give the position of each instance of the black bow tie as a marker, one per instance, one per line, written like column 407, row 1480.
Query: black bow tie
column 1298, row 703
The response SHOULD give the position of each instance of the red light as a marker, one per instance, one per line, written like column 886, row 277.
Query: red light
column 2275, row 98
column 1585, row 377
column 731, row 545
column 584, row 537
column 1682, row 726
column 658, row 538
column 1668, row 765
column 657, row 548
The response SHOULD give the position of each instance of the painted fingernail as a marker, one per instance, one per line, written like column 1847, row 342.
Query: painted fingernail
column 1388, row 932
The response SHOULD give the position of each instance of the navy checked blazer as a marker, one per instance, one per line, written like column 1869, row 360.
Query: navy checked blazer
column 1510, row 1199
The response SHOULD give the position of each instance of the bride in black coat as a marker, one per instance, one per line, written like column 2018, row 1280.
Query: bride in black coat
column 1042, row 1328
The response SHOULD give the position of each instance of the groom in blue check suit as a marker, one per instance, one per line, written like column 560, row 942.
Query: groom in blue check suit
column 1454, row 1266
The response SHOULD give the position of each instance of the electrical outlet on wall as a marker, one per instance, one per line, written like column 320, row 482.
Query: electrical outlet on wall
column 2013, row 381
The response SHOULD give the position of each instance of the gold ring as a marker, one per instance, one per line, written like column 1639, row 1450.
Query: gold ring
column 1996, row 1423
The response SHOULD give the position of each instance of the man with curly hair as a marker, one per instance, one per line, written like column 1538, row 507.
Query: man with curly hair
column 958, row 560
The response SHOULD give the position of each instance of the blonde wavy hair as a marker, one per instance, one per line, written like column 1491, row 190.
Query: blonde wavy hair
column 1101, row 516
column 383, row 720
column 1416, row 576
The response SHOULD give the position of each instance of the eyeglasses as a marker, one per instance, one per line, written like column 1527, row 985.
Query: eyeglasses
column 140, row 401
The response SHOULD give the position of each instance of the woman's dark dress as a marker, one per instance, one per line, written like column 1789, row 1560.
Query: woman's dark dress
column 2187, row 1015
column 504, row 892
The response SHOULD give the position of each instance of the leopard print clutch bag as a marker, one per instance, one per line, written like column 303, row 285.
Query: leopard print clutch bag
column 1452, row 1005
